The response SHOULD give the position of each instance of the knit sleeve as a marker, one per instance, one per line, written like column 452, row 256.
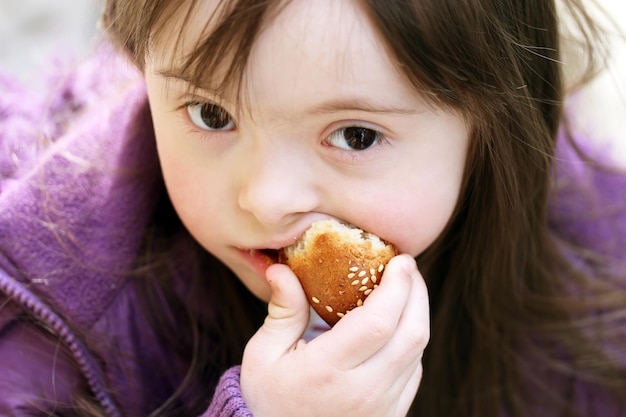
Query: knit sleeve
column 228, row 401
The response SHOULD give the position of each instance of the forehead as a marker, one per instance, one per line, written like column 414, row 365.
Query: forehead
column 324, row 38
column 314, row 44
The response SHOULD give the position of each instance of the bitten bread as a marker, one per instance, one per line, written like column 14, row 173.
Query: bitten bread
column 338, row 265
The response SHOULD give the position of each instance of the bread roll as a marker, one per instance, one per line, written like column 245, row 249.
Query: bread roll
column 338, row 265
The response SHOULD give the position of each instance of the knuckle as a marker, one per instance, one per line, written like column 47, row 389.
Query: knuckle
column 380, row 326
column 419, row 338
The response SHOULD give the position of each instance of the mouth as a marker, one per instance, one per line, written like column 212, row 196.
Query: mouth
column 259, row 259
column 271, row 255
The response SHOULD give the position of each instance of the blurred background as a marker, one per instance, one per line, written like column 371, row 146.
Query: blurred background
column 34, row 33
column 33, row 30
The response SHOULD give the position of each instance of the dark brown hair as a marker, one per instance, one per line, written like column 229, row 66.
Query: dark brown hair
column 505, row 306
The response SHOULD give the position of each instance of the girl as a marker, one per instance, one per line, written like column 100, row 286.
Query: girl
column 138, row 216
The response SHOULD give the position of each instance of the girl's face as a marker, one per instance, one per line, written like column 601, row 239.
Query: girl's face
column 329, row 128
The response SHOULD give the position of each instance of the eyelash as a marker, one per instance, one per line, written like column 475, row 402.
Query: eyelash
column 222, row 117
column 362, row 134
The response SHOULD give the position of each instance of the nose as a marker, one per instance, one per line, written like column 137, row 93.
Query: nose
column 278, row 184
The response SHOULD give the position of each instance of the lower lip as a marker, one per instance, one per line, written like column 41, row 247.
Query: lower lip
column 257, row 260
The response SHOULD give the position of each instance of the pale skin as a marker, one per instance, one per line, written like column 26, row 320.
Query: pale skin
column 331, row 128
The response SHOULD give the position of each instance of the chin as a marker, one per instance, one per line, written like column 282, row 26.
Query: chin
column 258, row 286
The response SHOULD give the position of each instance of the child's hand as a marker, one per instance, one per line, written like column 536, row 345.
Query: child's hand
column 369, row 364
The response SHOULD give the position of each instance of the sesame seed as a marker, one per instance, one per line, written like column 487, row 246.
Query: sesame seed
column 329, row 309
column 315, row 300
column 359, row 302
column 355, row 282
column 354, row 269
column 381, row 267
column 362, row 274
column 363, row 288
column 340, row 315
column 372, row 271
column 367, row 292
column 374, row 279
column 351, row 275
column 365, row 280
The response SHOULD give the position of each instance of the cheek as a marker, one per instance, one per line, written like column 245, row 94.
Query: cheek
column 185, row 179
column 415, row 202
column 410, row 222
column 183, row 193
column 424, row 223
column 194, row 194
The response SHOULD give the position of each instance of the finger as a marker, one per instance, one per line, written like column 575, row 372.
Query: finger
column 398, row 360
column 398, row 364
column 288, row 312
column 413, row 331
column 365, row 330
column 409, row 384
column 400, row 385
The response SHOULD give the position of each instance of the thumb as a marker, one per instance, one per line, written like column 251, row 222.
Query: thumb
column 288, row 309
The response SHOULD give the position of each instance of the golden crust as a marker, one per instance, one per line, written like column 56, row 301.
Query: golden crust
column 337, row 271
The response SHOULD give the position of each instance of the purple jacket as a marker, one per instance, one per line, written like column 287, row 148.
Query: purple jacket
column 68, row 222
column 68, row 225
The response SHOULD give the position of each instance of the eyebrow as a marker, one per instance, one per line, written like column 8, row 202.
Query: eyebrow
column 362, row 105
column 356, row 104
column 174, row 73
column 178, row 75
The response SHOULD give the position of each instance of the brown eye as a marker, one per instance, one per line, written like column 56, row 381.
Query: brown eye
column 354, row 138
column 209, row 116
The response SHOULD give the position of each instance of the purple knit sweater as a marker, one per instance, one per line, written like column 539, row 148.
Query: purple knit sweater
column 70, row 224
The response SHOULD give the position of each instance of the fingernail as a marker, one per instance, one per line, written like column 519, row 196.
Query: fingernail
column 408, row 264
